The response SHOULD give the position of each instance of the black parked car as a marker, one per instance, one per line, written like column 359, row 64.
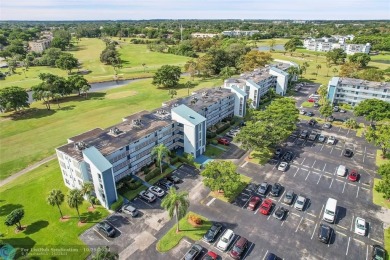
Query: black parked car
column 106, row 228
column 288, row 156
column 324, row 233
column 213, row 232
column 193, row 252
column 174, row 179
column 348, row 152
column 280, row 213
column 312, row 122
column 304, row 134
column 275, row 190
column 310, row 113
column 378, row 253
column 165, row 184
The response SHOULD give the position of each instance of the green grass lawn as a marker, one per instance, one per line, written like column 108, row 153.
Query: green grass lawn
column 88, row 50
column 212, row 151
column 172, row 239
column 260, row 157
column 245, row 180
column 387, row 242
column 307, row 104
column 379, row 160
column 42, row 220
column 377, row 197
column 29, row 138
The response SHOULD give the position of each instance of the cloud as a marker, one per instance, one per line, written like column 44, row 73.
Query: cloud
column 192, row 9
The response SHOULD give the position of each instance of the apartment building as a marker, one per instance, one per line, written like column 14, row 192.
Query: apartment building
column 239, row 33
column 353, row 91
column 39, row 45
column 326, row 44
column 203, row 35
column 104, row 156
column 258, row 82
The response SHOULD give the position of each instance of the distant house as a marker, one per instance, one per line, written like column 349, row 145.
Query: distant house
column 239, row 33
column 203, row 35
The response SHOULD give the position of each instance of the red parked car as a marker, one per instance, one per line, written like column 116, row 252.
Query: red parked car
column 223, row 141
column 353, row 175
column 266, row 206
column 210, row 256
column 312, row 100
column 253, row 203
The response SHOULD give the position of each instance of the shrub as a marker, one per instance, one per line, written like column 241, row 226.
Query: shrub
column 195, row 219
column 211, row 134
column 134, row 185
column 174, row 160
column 215, row 142
column 222, row 127
column 152, row 174
column 197, row 165
column 117, row 204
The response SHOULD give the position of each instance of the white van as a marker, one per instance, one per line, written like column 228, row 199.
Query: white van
column 341, row 170
column 330, row 210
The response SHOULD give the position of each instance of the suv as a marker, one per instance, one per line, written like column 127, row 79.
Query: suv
column 193, row 252
column 378, row 253
column 313, row 135
column 288, row 156
column 166, row 184
column 106, row 228
column 147, row 195
column 225, row 240
column 275, row 190
column 174, row 179
column 324, row 233
column 128, row 209
column 156, row 191
column 331, row 140
column 238, row 248
column 213, row 232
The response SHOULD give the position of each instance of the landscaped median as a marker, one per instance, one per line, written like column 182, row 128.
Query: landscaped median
column 260, row 157
column 245, row 180
column 377, row 197
column 187, row 229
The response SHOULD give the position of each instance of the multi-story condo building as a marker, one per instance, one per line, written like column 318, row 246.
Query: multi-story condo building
column 325, row 44
column 104, row 156
column 239, row 33
column 257, row 83
column 203, row 35
column 353, row 91
column 39, row 45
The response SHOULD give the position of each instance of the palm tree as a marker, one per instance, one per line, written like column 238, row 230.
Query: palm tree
column 74, row 199
column 318, row 68
column 328, row 65
column 160, row 151
column 104, row 253
column 335, row 70
column 176, row 203
column 85, row 89
column 188, row 85
column 57, row 96
column 172, row 93
column 56, row 197
column 87, row 190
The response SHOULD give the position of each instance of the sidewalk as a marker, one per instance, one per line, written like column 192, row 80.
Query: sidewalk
column 26, row 170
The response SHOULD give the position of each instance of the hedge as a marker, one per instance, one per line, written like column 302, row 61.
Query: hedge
column 211, row 134
column 174, row 160
column 117, row 204
column 223, row 127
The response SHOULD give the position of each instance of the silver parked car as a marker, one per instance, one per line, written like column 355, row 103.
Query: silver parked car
column 300, row 203
column 128, row 209
column 289, row 197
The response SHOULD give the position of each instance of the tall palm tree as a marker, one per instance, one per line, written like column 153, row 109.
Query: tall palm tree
column 318, row 68
column 188, row 85
column 74, row 199
column 335, row 70
column 104, row 253
column 176, row 203
column 56, row 197
column 87, row 190
column 160, row 151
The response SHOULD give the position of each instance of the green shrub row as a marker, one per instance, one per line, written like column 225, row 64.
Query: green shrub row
column 155, row 172
column 116, row 205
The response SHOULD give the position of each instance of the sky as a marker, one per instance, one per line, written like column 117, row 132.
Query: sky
column 194, row 9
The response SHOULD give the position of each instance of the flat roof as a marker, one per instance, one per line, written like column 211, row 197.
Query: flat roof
column 188, row 114
column 101, row 163
column 361, row 82
column 132, row 128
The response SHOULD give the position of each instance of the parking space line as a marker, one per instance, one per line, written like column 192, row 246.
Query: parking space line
column 341, row 233
column 256, row 211
column 365, row 189
column 352, row 184
column 246, row 202
column 307, row 175
column 367, row 252
column 308, row 219
column 357, row 240
column 284, row 220
column 331, row 150
column 296, row 230
column 324, row 167
column 322, row 208
column 282, row 195
column 322, row 147
column 342, row 227
column 245, row 163
column 341, row 153
column 101, row 235
column 312, row 235
column 349, row 239
column 114, row 226
column 352, row 222
column 247, row 251
column 295, row 214
column 303, row 160
column 379, row 242
column 313, row 163
column 296, row 172
column 331, row 183
column 312, row 215
column 319, row 179
column 357, row 193
column 211, row 201
column 265, row 254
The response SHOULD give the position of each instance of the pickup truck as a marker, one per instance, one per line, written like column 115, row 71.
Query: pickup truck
column 313, row 135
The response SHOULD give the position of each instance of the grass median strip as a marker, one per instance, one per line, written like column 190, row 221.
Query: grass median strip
column 172, row 239
column 377, row 197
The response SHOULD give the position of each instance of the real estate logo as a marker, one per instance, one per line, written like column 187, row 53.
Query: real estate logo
column 7, row 252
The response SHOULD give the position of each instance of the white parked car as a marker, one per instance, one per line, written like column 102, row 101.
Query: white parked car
column 331, row 140
column 302, row 112
column 321, row 138
column 283, row 166
column 225, row 240
column 360, row 226
column 147, row 195
column 156, row 191
column 300, row 203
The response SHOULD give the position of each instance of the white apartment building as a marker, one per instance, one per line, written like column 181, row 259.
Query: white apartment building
column 353, row 91
column 104, row 156
column 239, row 33
column 257, row 83
column 203, row 35
column 39, row 45
column 325, row 44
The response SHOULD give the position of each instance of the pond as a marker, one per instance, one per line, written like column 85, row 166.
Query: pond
column 277, row 47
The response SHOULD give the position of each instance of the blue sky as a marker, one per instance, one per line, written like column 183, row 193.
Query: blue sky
column 193, row 9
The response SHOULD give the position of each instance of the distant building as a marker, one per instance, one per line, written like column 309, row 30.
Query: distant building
column 258, row 82
column 39, row 45
column 326, row 44
column 353, row 91
column 105, row 156
column 203, row 35
column 238, row 33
